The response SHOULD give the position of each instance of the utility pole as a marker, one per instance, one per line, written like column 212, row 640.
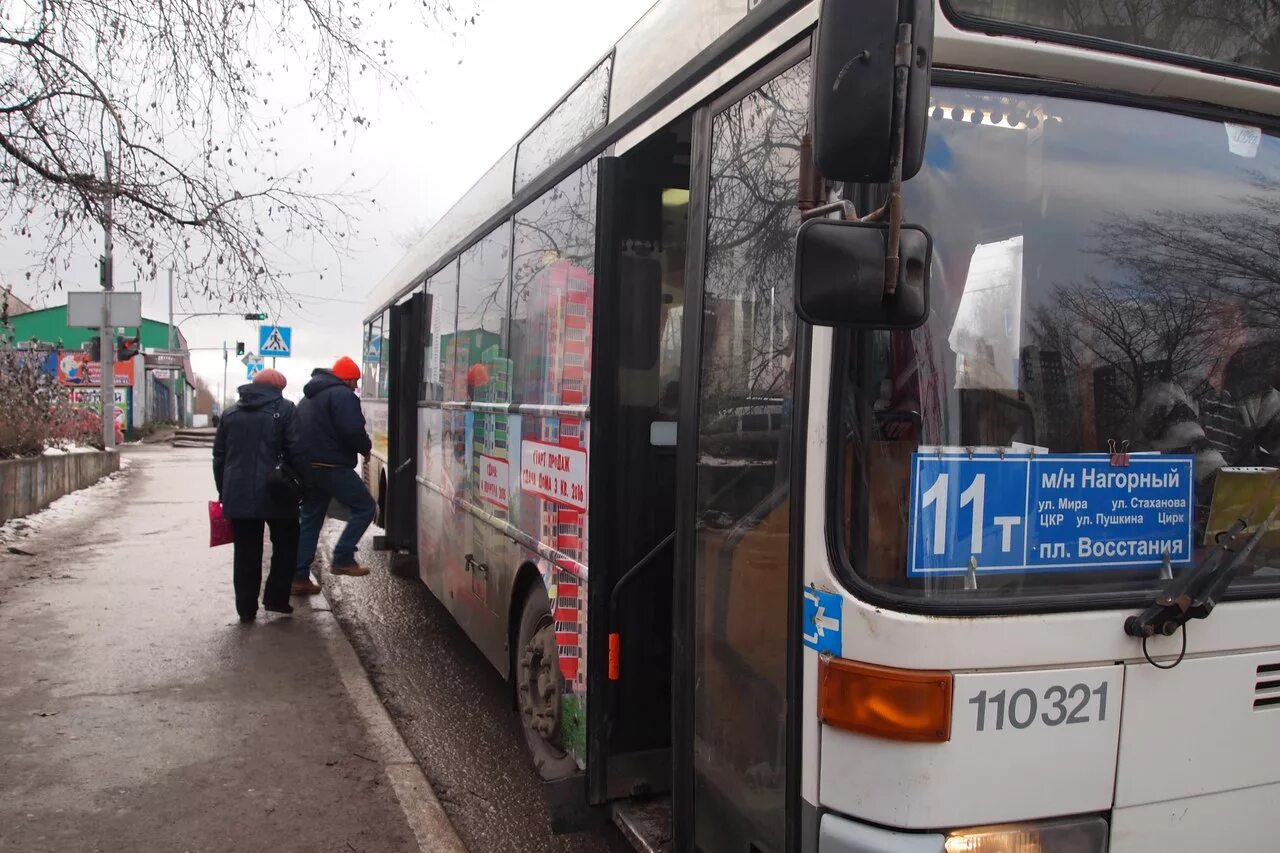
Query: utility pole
column 224, row 377
column 106, row 333
column 169, row 340
column 179, row 398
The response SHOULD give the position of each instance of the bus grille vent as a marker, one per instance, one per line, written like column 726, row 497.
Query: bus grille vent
column 1266, row 693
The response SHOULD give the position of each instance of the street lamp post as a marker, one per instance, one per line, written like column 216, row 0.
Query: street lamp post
column 106, row 338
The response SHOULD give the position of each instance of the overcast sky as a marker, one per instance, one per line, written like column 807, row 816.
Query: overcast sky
column 468, row 99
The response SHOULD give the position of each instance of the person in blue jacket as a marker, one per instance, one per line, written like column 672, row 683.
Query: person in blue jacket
column 251, row 438
column 333, row 434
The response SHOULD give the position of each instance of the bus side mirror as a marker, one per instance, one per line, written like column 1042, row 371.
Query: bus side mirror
column 840, row 275
column 861, row 46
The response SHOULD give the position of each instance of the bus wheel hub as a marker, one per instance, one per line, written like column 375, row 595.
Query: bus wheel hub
column 539, row 689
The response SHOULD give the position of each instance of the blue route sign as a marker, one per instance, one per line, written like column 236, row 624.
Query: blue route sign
column 1048, row 512
column 275, row 341
column 821, row 624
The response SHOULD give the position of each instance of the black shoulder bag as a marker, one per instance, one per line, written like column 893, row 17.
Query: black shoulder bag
column 283, row 486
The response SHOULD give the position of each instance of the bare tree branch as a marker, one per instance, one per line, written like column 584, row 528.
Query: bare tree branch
column 174, row 91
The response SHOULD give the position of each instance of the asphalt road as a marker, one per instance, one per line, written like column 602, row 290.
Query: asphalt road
column 452, row 709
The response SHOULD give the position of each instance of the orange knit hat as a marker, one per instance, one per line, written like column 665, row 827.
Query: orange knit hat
column 346, row 369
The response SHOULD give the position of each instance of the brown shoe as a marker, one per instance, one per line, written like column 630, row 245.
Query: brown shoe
column 306, row 587
column 354, row 570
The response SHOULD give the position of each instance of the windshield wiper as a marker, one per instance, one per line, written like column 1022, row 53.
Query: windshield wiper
column 1194, row 593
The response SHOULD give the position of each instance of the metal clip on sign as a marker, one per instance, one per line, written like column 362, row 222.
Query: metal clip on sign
column 1119, row 458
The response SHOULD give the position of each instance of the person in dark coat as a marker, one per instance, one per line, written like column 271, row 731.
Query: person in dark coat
column 333, row 434
column 250, row 439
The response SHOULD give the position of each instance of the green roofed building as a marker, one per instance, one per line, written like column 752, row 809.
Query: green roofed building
column 164, row 386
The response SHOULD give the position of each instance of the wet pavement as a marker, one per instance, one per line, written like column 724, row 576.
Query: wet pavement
column 136, row 713
column 453, row 710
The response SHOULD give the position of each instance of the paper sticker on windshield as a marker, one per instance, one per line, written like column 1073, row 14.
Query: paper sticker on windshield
column 1047, row 512
column 1243, row 140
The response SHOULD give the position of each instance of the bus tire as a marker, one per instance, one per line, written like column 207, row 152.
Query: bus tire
column 537, row 686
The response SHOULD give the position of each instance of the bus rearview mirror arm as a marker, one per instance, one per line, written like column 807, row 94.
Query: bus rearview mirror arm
column 849, row 141
column 893, row 206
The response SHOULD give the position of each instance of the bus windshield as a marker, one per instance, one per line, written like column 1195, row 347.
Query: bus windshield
column 1243, row 34
column 1105, row 279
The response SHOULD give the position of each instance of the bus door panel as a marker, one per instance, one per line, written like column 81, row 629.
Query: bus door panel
column 733, row 533
column 409, row 320
column 642, row 235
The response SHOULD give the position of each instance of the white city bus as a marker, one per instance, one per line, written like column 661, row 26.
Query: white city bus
column 912, row 572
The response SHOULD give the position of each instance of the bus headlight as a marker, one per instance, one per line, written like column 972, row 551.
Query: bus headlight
column 1071, row 835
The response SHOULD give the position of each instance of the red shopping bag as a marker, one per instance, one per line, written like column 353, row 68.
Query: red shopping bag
column 219, row 527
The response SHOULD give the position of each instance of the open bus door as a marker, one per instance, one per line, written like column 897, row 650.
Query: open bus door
column 691, row 592
column 409, row 325
column 642, row 228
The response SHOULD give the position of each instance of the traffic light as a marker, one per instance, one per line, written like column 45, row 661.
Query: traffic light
column 93, row 347
column 127, row 348
column 239, row 347
column 255, row 316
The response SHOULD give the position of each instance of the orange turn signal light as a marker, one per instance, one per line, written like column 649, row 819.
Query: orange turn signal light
column 880, row 701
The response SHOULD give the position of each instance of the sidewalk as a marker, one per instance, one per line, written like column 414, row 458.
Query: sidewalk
column 138, row 714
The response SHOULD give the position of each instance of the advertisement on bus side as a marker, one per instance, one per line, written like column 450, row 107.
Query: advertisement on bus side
column 556, row 473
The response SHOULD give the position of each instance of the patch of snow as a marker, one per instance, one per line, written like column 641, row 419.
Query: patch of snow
column 63, row 449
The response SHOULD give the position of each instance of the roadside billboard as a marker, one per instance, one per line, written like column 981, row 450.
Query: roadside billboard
column 75, row 369
column 91, row 399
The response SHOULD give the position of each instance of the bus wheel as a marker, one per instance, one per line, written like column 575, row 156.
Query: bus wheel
column 538, row 687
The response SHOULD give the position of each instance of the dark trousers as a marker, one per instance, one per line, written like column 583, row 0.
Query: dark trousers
column 246, row 537
column 346, row 487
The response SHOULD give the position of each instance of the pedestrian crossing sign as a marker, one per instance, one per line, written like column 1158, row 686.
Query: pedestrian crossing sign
column 275, row 341
column 252, row 363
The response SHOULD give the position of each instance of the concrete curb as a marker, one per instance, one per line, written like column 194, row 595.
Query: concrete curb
column 427, row 818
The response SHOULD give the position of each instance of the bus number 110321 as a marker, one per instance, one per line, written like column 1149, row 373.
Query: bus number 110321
column 1058, row 705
